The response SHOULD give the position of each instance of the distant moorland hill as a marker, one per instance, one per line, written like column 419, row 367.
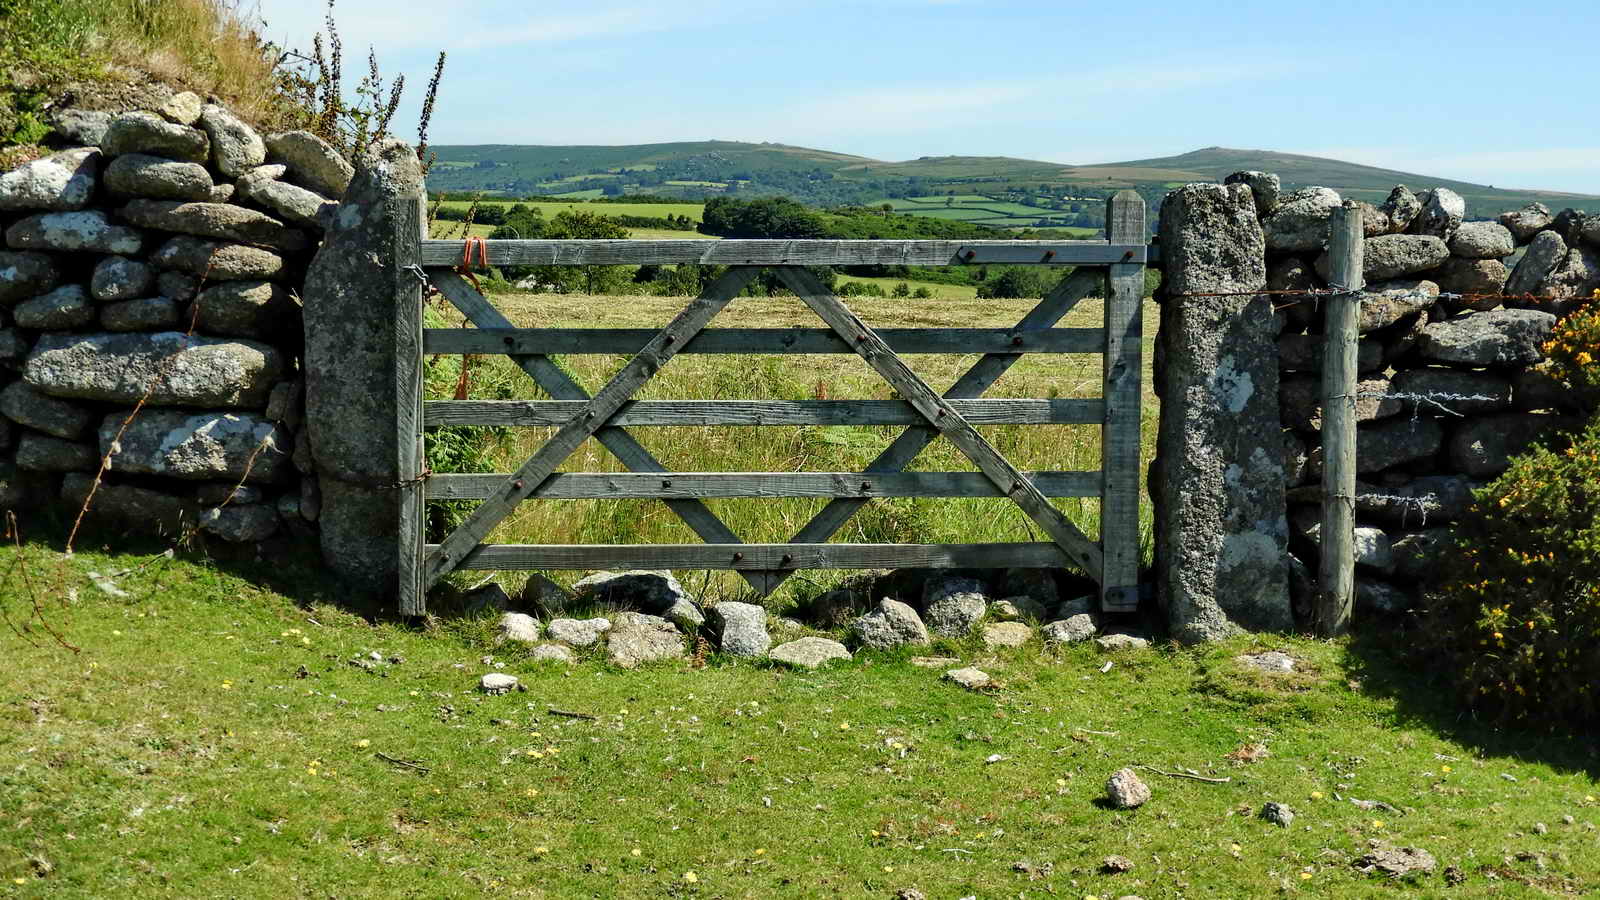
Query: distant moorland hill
column 996, row 190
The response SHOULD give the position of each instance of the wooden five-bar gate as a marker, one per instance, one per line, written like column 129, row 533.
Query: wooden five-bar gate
column 1115, row 265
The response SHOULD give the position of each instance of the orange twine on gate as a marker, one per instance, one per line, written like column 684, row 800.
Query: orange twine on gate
column 463, row 383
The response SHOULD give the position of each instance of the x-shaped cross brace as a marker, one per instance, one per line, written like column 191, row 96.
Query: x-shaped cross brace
column 603, row 405
column 971, row 385
column 943, row 418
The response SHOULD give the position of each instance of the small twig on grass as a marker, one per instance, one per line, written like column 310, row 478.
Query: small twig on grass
column 406, row 763
column 956, row 850
column 573, row 715
column 1187, row 775
column 1101, row 733
column 166, row 554
column 21, row 565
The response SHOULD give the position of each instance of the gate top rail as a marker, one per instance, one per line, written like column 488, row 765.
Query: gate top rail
column 738, row 252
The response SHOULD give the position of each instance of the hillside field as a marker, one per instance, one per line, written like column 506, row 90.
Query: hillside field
column 696, row 170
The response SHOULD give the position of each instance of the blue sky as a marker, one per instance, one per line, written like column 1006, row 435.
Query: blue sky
column 1501, row 93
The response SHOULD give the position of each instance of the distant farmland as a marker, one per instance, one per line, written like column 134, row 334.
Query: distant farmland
column 980, row 210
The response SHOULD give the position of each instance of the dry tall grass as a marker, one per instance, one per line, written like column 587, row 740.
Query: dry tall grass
column 208, row 46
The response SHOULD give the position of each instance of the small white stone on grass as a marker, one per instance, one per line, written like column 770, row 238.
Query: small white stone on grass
column 578, row 632
column 1113, row 642
column 1069, row 630
column 1275, row 661
column 520, row 627
column 969, row 678
column 554, row 653
column 1125, row 790
column 1006, row 634
column 809, row 652
column 497, row 683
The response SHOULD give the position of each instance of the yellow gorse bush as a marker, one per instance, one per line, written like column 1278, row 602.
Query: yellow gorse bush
column 1574, row 346
column 1519, row 613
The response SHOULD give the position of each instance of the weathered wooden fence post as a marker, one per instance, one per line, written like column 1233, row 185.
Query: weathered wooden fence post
column 1336, row 573
column 1119, row 438
column 363, row 346
column 411, row 229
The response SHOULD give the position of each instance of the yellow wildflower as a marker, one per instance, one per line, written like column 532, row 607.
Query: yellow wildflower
column 363, row 743
column 760, row 851
column 636, row 852
column 691, row 877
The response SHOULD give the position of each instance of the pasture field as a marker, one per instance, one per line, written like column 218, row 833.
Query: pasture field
column 940, row 290
column 549, row 208
column 811, row 448
column 1072, row 232
column 980, row 210
column 222, row 729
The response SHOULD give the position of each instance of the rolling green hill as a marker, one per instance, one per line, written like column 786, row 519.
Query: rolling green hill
column 1350, row 179
column 991, row 190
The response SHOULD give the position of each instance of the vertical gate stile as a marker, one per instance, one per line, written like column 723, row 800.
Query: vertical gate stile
column 409, row 451
column 1119, row 437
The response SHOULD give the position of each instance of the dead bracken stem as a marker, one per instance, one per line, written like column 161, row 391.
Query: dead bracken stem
column 155, row 382
column 21, row 567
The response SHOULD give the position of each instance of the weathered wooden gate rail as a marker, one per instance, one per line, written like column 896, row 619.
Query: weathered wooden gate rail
column 1117, row 264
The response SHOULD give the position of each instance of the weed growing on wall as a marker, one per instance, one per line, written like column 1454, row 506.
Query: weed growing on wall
column 314, row 84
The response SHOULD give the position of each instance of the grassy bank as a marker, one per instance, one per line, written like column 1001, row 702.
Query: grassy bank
column 214, row 738
column 810, row 448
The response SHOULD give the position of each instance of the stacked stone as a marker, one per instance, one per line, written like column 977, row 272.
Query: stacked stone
column 1451, row 380
column 154, row 261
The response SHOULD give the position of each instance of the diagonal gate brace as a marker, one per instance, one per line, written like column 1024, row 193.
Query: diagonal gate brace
column 984, row 373
column 1010, row 481
column 591, row 422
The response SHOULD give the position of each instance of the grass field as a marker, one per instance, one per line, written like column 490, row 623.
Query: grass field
column 980, row 210
column 811, row 448
column 549, row 209
column 940, row 290
column 215, row 738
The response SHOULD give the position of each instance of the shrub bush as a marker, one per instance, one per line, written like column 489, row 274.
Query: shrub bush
column 1574, row 348
column 1518, row 613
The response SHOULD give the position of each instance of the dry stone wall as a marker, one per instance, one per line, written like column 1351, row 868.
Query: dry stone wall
column 155, row 262
column 1452, row 382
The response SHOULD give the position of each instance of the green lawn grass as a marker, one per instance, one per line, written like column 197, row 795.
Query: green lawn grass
column 213, row 738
